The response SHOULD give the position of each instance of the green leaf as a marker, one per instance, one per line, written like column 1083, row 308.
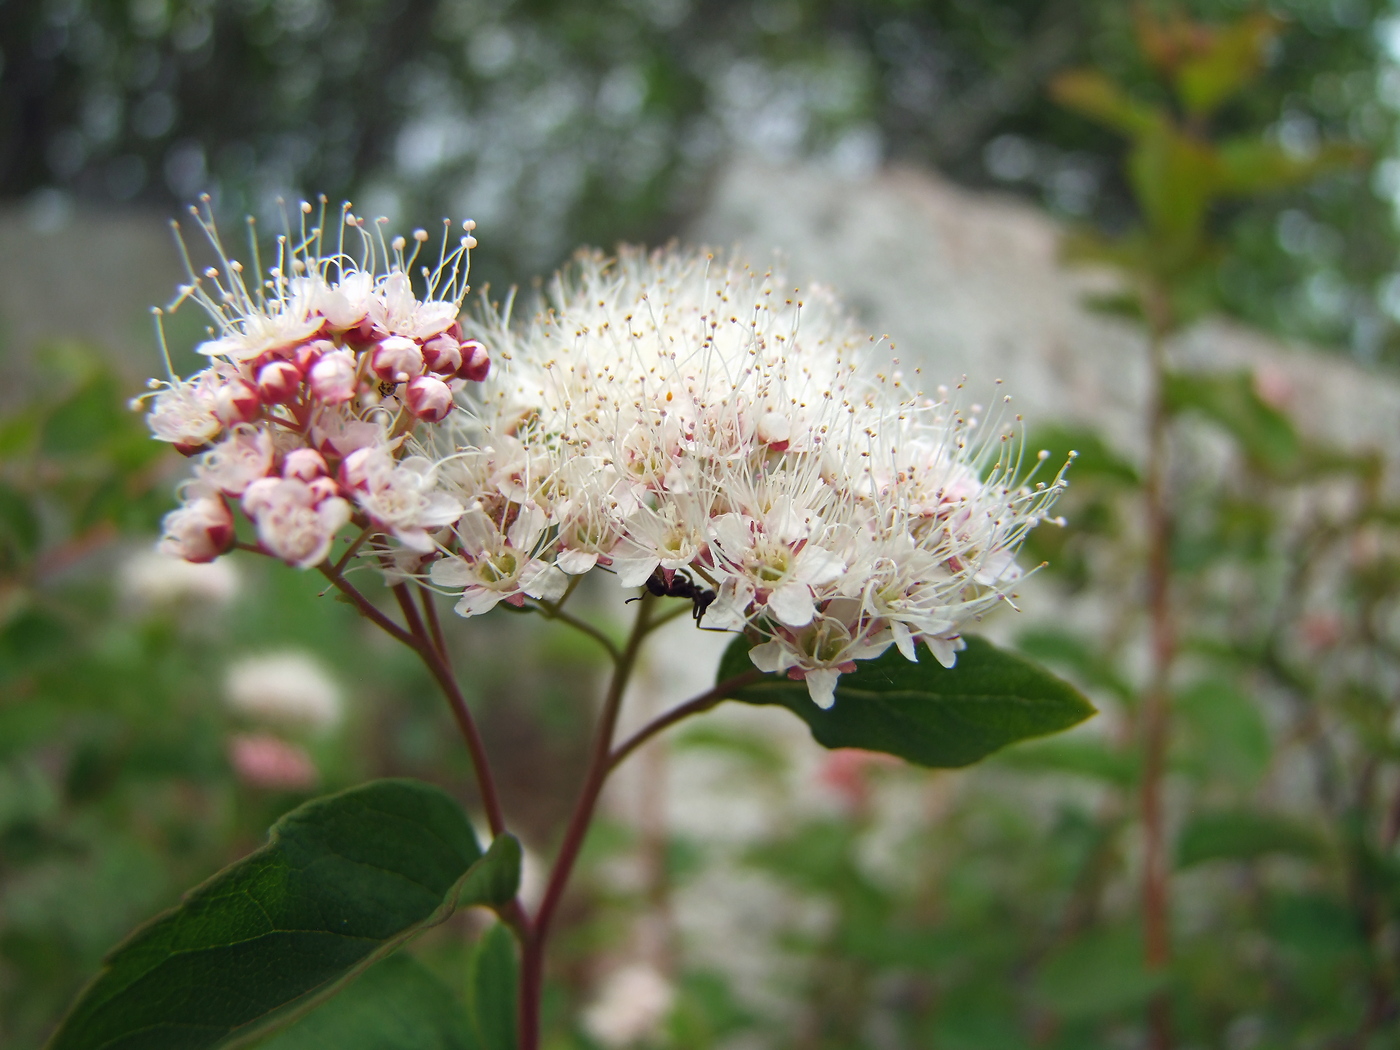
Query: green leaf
column 1092, row 94
column 922, row 712
column 1252, row 166
column 343, row 881
column 1083, row 757
column 1229, row 400
column 19, row 525
column 1243, row 835
column 1224, row 733
column 491, row 989
column 1233, row 56
column 1100, row 973
column 396, row 1005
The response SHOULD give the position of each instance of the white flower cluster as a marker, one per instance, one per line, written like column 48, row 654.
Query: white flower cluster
column 681, row 422
column 317, row 375
column 672, row 417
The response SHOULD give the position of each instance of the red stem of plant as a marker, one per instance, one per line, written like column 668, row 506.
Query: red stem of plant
column 417, row 639
column 1156, row 710
column 532, row 948
column 701, row 703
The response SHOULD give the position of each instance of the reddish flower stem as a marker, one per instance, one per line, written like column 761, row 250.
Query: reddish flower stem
column 706, row 700
column 532, row 948
column 1156, row 708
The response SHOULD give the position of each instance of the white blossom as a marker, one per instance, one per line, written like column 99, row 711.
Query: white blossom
column 287, row 689
column 630, row 1005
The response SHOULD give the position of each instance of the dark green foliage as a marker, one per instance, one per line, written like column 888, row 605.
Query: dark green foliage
column 395, row 1005
column 923, row 712
column 1244, row 835
column 493, row 979
column 343, row 881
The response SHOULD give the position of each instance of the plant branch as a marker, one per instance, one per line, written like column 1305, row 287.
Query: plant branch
column 438, row 666
column 697, row 705
column 553, row 611
column 354, row 547
column 434, row 627
column 532, row 947
column 366, row 607
column 1156, row 708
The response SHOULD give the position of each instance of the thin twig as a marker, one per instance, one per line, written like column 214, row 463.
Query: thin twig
column 552, row 611
column 425, row 596
column 354, row 547
column 532, row 949
column 437, row 665
column 366, row 607
column 697, row 705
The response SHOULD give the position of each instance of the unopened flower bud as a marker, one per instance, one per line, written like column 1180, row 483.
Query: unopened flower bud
column 304, row 463
column 429, row 399
column 278, row 382
column 308, row 354
column 363, row 334
column 323, row 489
column 236, row 402
column 332, row 377
column 199, row 531
column 476, row 362
column 442, row 354
column 775, row 431
column 354, row 468
column 397, row 359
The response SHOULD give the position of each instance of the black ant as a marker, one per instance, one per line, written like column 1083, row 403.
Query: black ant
column 680, row 585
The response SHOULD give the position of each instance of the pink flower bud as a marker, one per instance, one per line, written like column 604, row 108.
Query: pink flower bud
column 775, row 431
column 323, row 489
column 364, row 334
column 304, row 463
column 397, row 359
column 476, row 362
column 429, row 399
column 236, row 402
column 308, row 354
column 442, row 354
column 354, row 468
column 332, row 377
column 278, row 382
column 199, row 531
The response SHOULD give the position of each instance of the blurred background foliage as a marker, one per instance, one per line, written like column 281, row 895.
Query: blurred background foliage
column 555, row 124
column 996, row 908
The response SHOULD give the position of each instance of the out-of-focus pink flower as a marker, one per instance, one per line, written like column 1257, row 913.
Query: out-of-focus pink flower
column 1320, row 630
column 1274, row 387
column 847, row 772
column 264, row 761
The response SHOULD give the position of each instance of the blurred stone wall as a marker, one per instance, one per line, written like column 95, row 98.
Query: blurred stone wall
column 93, row 276
column 971, row 283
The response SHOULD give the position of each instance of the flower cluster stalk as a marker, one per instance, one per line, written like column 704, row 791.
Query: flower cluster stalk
column 1156, row 704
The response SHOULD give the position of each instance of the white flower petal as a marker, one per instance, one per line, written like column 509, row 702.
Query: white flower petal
column 821, row 686
column 771, row 656
column 477, row 600
column 576, row 562
column 542, row 580
column 451, row 572
column 792, row 604
column 817, row 566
